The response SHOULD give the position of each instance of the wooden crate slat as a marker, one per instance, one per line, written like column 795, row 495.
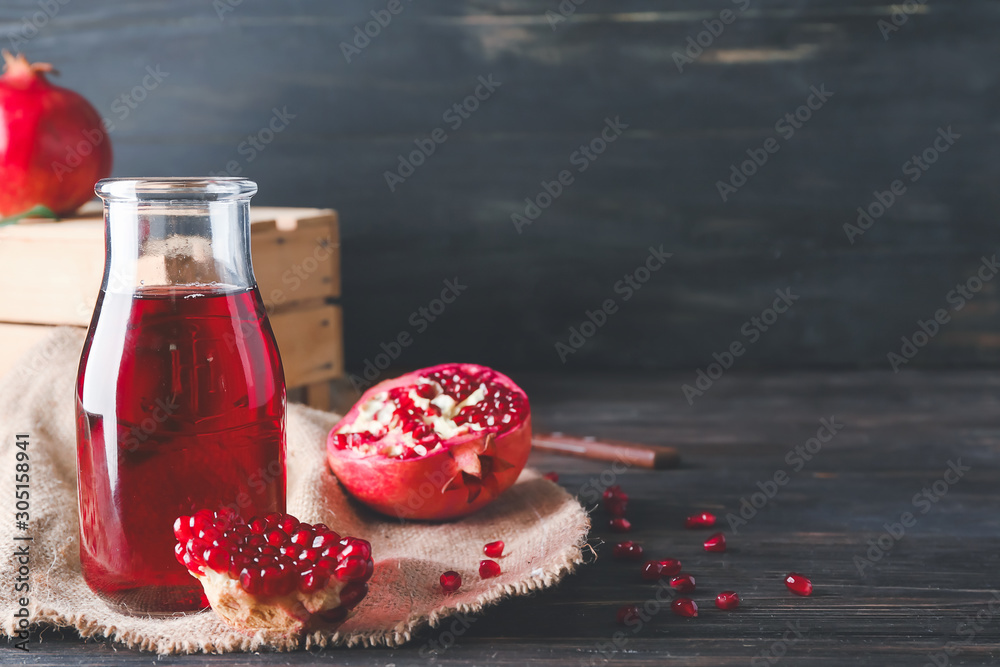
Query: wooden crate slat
column 50, row 272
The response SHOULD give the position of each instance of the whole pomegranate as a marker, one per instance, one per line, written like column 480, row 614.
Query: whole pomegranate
column 437, row 443
column 53, row 146
column 273, row 572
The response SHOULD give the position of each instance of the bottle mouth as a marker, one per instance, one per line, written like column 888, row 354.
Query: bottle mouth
column 175, row 189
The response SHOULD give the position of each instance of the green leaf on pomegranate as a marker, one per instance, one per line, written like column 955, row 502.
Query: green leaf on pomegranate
column 38, row 211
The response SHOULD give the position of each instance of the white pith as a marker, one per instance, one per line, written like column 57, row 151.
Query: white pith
column 287, row 613
column 375, row 415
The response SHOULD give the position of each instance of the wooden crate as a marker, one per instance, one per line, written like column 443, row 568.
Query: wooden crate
column 50, row 274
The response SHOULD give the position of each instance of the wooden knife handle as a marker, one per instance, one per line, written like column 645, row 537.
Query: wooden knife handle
column 629, row 453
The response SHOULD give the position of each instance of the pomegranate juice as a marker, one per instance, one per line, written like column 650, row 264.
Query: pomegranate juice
column 180, row 406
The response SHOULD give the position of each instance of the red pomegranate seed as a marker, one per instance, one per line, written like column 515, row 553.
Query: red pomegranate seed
column 727, row 600
column 627, row 613
column 702, row 520
column 628, row 550
column 669, row 567
column 489, row 569
column 617, row 506
column 651, row 571
column 684, row 607
column 552, row 476
column 614, row 492
column 716, row 542
column 798, row 584
column 620, row 524
column 451, row 581
column 682, row 583
column 494, row 549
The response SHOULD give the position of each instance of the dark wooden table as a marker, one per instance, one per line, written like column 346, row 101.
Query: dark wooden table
column 932, row 589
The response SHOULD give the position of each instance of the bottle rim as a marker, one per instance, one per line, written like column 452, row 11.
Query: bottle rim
column 197, row 189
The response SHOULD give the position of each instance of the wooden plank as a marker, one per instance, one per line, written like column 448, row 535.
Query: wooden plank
column 297, row 260
column 311, row 344
column 318, row 395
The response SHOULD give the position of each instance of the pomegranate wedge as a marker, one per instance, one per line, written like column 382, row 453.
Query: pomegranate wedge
column 273, row 572
column 437, row 443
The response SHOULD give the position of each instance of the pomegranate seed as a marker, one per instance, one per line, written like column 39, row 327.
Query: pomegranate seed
column 425, row 390
column 351, row 568
column 627, row 614
column 669, row 567
column 614, row 492
column 488, row 569
column 494, row 549
column 727, row 600
column 703, row 520
column 682, row 583
column 628, row 550
column 451, row 581
column 798, row 584
column 684, row 607
column 311, row 581
column 303, row 537
column 651, row 571
column 352, row 593
column 552, row 476
column 251, row 581
column 276, row 537
column 716, row 542
column 617, row 506
column 620, row 524
column 217, row 559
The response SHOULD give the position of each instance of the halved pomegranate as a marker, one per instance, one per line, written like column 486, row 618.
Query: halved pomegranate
column 273, row 572
column 437, row 443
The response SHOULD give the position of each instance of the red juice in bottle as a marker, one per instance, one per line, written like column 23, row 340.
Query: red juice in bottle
column 180, row 406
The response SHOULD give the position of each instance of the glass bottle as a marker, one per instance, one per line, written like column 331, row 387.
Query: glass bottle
column 180, row 397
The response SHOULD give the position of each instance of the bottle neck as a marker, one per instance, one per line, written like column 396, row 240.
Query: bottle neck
column 177, row 244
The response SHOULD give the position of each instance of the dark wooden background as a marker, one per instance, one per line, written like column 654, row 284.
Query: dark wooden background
column 656, row 185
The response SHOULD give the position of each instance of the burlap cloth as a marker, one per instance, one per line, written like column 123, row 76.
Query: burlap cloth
column 543, row 527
